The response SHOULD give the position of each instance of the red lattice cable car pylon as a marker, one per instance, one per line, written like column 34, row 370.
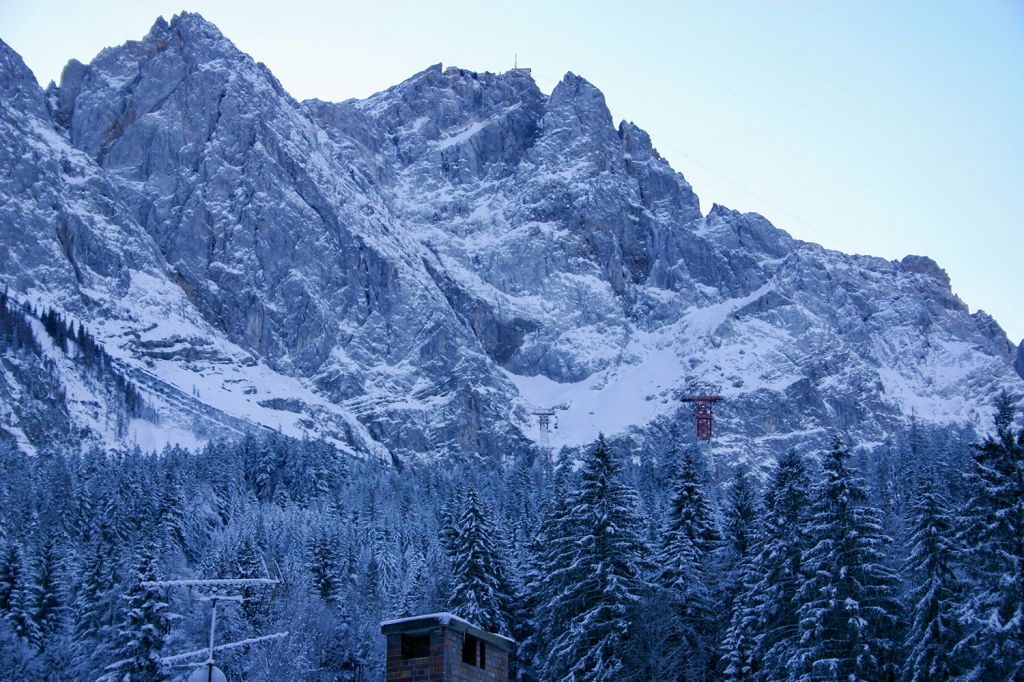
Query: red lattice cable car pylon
column 703, row 397
column 544, row 421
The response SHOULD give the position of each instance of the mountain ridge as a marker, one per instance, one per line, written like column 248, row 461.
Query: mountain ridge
column 425, row 267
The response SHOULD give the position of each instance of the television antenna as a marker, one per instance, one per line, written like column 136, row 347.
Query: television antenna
column 214, row 592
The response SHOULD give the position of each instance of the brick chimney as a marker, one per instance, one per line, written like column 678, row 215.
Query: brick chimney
column 441, row 647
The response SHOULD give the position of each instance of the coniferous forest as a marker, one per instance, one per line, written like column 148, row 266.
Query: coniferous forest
column 288, row 326
column 904, row 564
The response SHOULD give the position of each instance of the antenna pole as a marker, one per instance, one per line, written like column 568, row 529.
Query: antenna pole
column 213, row 629
column 215, row 595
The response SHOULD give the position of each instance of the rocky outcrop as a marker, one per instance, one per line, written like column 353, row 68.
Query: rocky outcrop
column 413, row 273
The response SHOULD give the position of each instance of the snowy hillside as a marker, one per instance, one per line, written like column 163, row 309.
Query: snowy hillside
column 415, row 273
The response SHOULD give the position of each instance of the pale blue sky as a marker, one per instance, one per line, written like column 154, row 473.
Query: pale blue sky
column 884, row 128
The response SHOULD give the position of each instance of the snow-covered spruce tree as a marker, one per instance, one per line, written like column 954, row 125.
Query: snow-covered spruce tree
column 691, row 511
column 849, row 613
column 739, row 659
column 552, row 546
column 10, row 569
column 598, row 589
column 248, row 562
column 778, row 567
column 145, row 624
column 740, row 576
column 48, row 576
column 414, row 588
column 24, row 600
column 382, row 570
column 683, row 558
column 325, row 567
column 94, row 612
column 687, row 649
column 993, row 535
column 171, row 525
column 935, row 593
column 482, row 590
column 18, row 660
column 741, row 514
column 448, row 519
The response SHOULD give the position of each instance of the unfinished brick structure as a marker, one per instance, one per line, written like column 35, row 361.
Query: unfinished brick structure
column 441, row 647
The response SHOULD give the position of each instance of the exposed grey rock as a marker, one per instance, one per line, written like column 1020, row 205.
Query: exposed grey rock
column 414, row 272
column 925, row 266
column 1019, row 360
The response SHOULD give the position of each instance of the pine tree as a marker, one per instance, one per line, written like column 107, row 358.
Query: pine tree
column 936, row 591
column 144, row 627
column 741, row 515
column 740, row 660
column 248, row 563
column 849, row 615
column 19, row 661
column 778, row 567
column 597, row 591
column 10, row 565
column 24, row 600
column 49, row 614
column 683, row 559
column 691, row 512
column 994, row 537
column 414, row 593
column 448, row 520
column 687, row 649
column 170, row 514
column 383, row 568
column 482, row 590
column 1004, row 413
column 737, row 647
column 94, row 613
column 553, row 546
column 324, row 565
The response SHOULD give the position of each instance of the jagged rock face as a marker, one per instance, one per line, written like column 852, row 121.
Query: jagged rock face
column 413, row 272
column 1019, row 361
column 270, row 228
column 236, row 187
column 65, row 232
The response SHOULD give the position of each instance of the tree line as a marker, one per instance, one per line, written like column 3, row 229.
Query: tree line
column 900, row 563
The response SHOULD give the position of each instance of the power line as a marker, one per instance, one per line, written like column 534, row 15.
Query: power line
column 661, row 142
column 665, row 144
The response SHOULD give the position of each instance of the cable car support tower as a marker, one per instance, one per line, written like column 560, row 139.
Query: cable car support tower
column 546, row 418
column 704, row 396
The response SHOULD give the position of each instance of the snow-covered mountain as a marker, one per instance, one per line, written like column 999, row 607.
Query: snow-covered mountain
column 415, row 273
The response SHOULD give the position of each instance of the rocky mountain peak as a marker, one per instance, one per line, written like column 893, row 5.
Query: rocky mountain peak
column 926, row 266
column 414, row 273
column 191, row 30
column 437, row 99
column 637, row 142
column 18, row 86
column 579, row 106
